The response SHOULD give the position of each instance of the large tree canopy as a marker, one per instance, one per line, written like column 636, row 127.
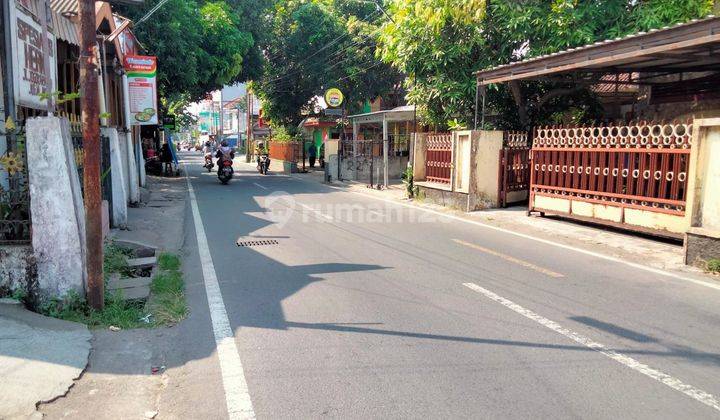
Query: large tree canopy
column 314, row 45
column 201, row 46
column 440, row 43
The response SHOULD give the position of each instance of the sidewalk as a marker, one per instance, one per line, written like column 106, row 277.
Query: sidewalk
column 30, row 370
column 626, row 246
column 119, row 382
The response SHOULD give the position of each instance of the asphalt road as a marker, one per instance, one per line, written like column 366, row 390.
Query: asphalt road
column 367, row 309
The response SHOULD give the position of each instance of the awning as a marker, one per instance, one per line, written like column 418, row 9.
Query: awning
column 65, row 29
column 401, row 113
column 684, row 48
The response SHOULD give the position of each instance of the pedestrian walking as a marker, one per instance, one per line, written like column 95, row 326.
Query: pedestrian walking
column 312, row 154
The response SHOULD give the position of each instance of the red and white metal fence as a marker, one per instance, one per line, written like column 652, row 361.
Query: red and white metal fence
column 640, row 166
column 438, row 158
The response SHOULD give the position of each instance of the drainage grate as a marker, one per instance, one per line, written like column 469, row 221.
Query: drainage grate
column 251, row 243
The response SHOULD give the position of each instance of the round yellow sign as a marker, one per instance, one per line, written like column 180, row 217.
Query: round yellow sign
column 334, row 97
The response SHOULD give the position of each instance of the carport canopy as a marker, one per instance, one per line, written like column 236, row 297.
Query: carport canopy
column 685, row 48
column 399, row 114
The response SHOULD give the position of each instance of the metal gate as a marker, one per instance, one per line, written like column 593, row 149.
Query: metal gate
column 439, row 157
column 514, row 167
column 106, row 174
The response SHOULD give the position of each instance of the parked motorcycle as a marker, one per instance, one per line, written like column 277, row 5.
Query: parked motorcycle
column 263, row 163
column 225, row 170
column 208, row 162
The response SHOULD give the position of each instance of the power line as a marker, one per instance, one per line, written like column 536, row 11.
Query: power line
column 337, row 53
column 149, row 13
column 284, row 78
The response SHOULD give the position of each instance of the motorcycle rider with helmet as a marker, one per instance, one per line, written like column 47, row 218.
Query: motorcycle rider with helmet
column 224, row 152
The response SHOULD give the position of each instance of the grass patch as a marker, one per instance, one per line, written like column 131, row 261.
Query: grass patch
column 167, row 261
column 165, row 307
column 713, row 265
column 115, row 260
column 167, row 301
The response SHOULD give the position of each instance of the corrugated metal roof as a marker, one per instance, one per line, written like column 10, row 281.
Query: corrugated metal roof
column 595, row 44
column 65, row 29
column 65, row 6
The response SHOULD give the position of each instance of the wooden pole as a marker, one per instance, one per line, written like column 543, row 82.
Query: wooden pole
column 91, row 146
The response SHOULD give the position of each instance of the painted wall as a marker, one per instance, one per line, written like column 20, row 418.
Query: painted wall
column 15, row 263
column 486, row 158
column 119, row 195
column 58, row 215
column 707, row 210
column 360, row 171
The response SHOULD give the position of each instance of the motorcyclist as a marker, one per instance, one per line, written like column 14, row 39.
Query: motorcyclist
column 261, row 150
column 224, row 152
column 208, row 152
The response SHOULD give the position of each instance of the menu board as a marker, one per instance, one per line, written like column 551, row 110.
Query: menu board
column 141, row 73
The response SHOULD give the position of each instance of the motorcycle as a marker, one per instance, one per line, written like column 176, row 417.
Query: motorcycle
column 263, row 163
column 208, row 162
column 225, row 170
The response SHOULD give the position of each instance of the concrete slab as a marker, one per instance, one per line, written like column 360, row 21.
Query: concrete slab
column 31, row 370
column 116, row 282
column 144, row 262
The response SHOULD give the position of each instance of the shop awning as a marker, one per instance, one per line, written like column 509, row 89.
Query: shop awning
column 685, row 48
column 65, row 29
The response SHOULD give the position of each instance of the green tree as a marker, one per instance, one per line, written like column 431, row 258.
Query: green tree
column 440, row 43
column 200, row 45
column 313, row 45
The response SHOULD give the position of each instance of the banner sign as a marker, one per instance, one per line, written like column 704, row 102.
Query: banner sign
column 141, row 73
column 30, row 75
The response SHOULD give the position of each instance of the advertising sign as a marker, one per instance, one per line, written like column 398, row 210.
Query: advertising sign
column 126, row 39
column 30, row 75
column 142, row 89
column 169, row 122
column 334, row 97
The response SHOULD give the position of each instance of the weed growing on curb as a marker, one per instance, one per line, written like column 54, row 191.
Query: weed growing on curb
column 713, row 265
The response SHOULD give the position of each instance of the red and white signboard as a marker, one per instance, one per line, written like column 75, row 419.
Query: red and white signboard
column 141, row 73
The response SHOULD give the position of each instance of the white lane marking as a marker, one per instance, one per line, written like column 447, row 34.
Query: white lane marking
column 653, row 270
column 674, row 383
column 258, row 185
column 237, row 396
column 312, row 210
column 511, row 259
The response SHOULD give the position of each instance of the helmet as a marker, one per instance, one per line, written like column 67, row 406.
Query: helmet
column 224, row 143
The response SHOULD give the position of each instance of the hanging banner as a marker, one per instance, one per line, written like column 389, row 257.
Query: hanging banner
column 30, row 77
column 141, row 73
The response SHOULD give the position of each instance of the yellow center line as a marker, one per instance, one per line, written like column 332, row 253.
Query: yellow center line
column 511, row 259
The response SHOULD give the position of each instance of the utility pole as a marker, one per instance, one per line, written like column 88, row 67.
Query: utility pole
column 91, row 145
column 222, row 114
column 7, row 44
column 248, row 96
column 43, row 6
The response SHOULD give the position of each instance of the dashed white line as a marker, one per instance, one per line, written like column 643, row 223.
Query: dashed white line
column 237, row 396
column 258, row 185
column 674, row 383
